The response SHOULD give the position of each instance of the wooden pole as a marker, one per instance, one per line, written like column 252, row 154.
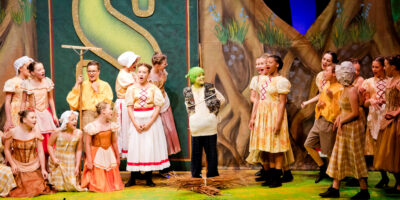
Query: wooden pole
column 79, row 72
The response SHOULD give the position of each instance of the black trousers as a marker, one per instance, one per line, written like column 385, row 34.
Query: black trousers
column 209, row 143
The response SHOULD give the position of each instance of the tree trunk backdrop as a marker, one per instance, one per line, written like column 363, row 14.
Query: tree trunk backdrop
column 233, row 33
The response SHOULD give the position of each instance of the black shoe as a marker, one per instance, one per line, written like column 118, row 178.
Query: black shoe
column 267, row 178
column 264, row 175
column 330, row 193
column 276, row 179
column 287, row 176
column 260, row 172
column 352, row 182
column 383, row 182
column 322, row 174
column 149, row 181
column 132, row 180
column 363, row 194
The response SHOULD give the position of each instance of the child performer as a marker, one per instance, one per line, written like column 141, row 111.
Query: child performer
column 203, row 102
column 321, row 134
column 24, row 151
column 348, row 152
column 101, row 170
column 13, row 91
column 329, row 58
column 65, row 163
column 374, row 95
column 7, row 181
column 158, row 76
column 126, row 77
column 39, row 92
column 147, row 145
column 257, row 154
column 274, row 134
column 254, row 156
column 387, row 155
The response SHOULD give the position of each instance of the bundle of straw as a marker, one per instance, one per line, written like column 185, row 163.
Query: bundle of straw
column 208, row 186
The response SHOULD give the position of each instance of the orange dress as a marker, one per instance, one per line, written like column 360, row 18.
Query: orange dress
column 104, row 176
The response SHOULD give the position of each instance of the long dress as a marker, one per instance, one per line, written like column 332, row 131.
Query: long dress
column 124, row 80
column 375, row 87
column 262, row 138
column 30, row 182
column 347, row 158
column 62, row 176
column 7, row 182
column 39, row 102
column 13, row 85
column 387, row 156
column 104, row 176
column 167, row 118
column 148, row 149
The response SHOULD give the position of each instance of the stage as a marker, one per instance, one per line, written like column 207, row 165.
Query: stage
column 302, row 187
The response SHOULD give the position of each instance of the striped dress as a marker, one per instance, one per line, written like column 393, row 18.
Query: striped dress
column 62, row 176
column 347, row 157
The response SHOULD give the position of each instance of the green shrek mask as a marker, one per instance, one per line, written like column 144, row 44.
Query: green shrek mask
column 196, row 76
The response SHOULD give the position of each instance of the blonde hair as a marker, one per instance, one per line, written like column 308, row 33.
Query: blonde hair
column 101, row 106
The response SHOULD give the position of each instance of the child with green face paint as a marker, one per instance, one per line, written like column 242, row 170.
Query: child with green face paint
column 203, row 102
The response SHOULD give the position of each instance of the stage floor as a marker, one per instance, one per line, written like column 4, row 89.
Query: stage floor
column 302, row 187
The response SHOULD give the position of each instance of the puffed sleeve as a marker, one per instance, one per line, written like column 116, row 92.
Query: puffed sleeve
column 90, row 129
column 158, row 97
column 365, row 85
column 253, row 83
column 125, row 80
column 114, row 127
column 50, row 84
column 25, row 86
column 73, row 97
column 283, row 86
column 130, row 96
column 9, row 86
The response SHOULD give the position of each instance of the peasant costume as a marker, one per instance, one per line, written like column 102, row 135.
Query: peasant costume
column 13, row 85
column 39, row 101
column 105, row 175
column 148, row 149
column 7, row 181
column 166, row 115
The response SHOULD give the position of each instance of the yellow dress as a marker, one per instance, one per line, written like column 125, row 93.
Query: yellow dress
column 62, row 176
column 13, row 85
column 262, row 137
column 7, row 182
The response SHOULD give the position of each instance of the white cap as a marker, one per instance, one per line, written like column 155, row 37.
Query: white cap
column 64, row 119
column 21, row 62
column 127, row 58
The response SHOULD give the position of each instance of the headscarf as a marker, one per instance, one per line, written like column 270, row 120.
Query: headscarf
column 345, row 73
column 64, row 119
column 21, row 62
column 127, row 58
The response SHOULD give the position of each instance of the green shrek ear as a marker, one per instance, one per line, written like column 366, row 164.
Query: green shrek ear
column 193, row 73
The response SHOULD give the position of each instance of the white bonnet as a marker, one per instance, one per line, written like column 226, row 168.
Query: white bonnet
column 64, row 119
column 21, row 62
column 127, row 58
column 345, row 73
